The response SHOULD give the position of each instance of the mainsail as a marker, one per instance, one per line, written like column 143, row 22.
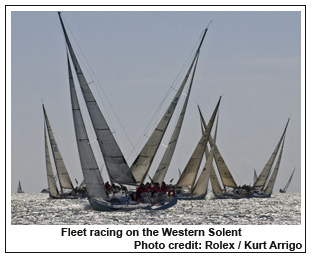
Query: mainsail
column 53, row 191
column 262, row 178
column 189, row 174
column 166, row 159
column 116, row 165
column 91, row 173
column 62, row 173
column 144, row 160
column 287, row 184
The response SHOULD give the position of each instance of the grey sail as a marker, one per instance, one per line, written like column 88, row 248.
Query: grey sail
column 116, row 165
column 255, row 176
column 271, row 182
column 91, row 173
column 201, row 185
column 215, row 184
column 167, row 157
column 263, row 176
column 144, row 160
column 53, row 191
column 189, row 174
column 224, row 172
column 287, row 184
column 19, row 188
column 62, row 173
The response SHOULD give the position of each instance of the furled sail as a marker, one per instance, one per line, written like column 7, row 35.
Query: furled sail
column 201, row 185
column 91, row 173
column 270, row 185
column 263, row 176
column 116, row 165
column 53, row 191
column 224, row 172
column 166, row 159
column 62, row 173
column 144, row 160
column 189, row 174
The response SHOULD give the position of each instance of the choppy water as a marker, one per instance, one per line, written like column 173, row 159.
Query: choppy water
column 280, row 209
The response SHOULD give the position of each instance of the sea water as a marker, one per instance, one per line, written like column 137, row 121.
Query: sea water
column 38, row 209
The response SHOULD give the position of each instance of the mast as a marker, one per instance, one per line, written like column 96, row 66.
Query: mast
column 116, row 165
column 90, row 170
column 62, row 173
column 189, row 174
column 143, row 162
column 263, row 176
column 167, row 157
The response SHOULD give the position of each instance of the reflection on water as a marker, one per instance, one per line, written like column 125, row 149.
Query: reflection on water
column 280, row 209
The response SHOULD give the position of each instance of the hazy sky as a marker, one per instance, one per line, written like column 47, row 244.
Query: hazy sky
column 253, row 59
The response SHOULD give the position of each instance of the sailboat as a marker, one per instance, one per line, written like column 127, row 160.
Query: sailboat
column 144, row 160
column 187, row 188
column 263, row 187
column 118, row 170
column 287, row 184
column 19, row 188
column 66, row 187
column 230, row 189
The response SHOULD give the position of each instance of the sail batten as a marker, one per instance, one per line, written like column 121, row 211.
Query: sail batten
column 117, row 167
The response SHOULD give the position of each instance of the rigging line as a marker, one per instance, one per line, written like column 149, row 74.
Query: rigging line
column 101, row 88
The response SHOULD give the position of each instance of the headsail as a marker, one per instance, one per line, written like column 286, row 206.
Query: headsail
column 189, row 174
column 262, row 178
column 62, row 173
column 144, row 160
column 91, row 173
column 116, row 165
column 53, row 191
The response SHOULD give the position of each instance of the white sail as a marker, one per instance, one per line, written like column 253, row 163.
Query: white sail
column 270, row 185
column 263, row 176
column 116, row 165
column 189, row 174
column 201, row 185
column 224, row 172
column 145, row 158
column 166, row 159
column 92, row 176
column 53, row 191
column 216, row 188
column 64, row 179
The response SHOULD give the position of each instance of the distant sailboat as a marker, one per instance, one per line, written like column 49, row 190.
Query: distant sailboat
column 66, row 187
column 263, row 187
column 187, row 182
column 19, row 188
column 287, row 184
column 230, row 188
column 117, row 168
